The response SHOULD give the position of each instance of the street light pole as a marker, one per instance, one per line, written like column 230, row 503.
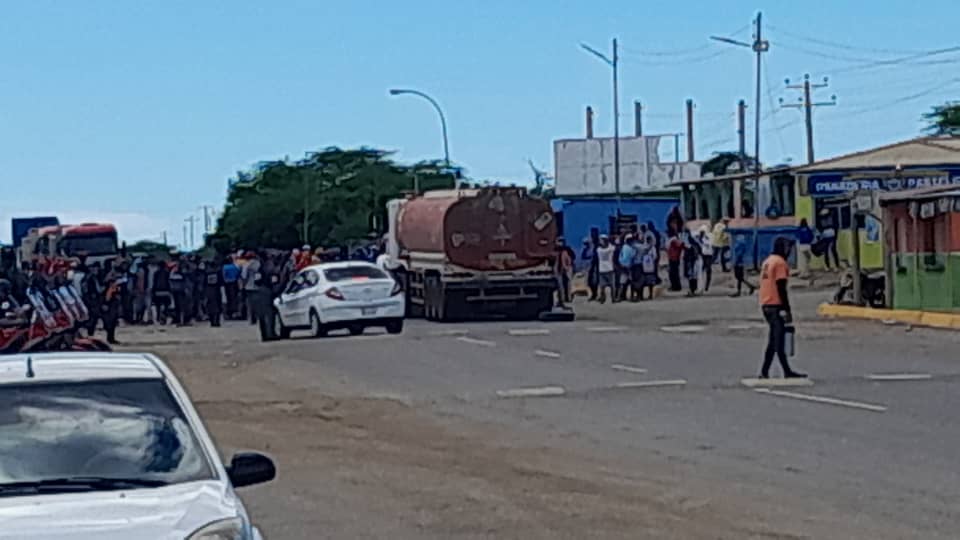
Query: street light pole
column 759, row 46
column 614, row 63
column 443, row 120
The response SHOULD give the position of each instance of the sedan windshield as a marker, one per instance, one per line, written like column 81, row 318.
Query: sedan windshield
column 353, row 272
column 96, row 436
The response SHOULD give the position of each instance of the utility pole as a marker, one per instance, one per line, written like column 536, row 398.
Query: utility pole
column 638, row 118
column 613, row 62
column 165, row 239
column 742, row 133
column 207, row 221
column 807, row 104
column 690, row 130
column 185, row 247
column 191, row 220
column 759, row 46
column 616, row 124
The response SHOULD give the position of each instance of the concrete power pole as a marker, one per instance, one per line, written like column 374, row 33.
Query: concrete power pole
column 190, row 221
column 742, row 133
column 690, row 156
column 638, row 118
column 807, row 104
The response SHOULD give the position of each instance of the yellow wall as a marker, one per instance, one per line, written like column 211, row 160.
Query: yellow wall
column 871, row 253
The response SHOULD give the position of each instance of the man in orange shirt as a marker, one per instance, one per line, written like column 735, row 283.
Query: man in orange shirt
column 775, row 305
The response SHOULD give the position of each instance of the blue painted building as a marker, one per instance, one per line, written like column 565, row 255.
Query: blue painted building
column 578, row 216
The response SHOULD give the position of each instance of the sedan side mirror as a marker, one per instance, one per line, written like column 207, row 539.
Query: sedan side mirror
column 249, row 468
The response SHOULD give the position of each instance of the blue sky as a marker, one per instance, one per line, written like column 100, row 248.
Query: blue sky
column 138, row 112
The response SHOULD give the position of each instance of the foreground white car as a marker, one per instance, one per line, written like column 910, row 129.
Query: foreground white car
column 349, row 294
column 107, row 446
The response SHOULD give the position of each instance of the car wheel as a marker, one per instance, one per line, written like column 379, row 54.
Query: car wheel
column 395, row 326
column 355, row 329
column 279, row 330
column 317, row 329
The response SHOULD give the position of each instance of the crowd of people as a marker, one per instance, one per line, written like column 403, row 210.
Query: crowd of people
column 626, row 266
column 175, row 288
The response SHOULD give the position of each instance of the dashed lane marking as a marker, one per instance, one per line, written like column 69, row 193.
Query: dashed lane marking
column 683, row 329
column 650, row 384
column 528, row 332
column 474, row 341
column 899, row 376
column 449, row 333
column 539, row 391
column 628, row 369
column 546, row 354
column 753, row 383
column 823, row 399
column 605, row 329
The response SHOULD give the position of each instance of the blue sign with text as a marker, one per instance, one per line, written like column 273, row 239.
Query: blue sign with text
column 824, row 185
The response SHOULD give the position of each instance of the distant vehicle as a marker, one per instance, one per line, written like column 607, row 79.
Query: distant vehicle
column 466, row 251
column 350, row 294
column 20, row 227
column 105, row 446
column 98, row 241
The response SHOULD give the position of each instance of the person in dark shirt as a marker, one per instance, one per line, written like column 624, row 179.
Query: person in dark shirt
column 212, row 291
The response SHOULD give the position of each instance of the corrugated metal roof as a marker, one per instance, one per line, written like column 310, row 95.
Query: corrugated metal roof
column 920, row 194
column 912, row 153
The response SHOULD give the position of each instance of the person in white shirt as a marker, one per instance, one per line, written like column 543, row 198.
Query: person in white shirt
column 605, row 267
column 706, row 256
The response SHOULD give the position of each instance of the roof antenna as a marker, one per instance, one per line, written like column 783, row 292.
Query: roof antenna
column 29, row 367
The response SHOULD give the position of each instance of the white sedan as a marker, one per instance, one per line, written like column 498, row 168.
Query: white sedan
column 107, row 446
column 329, row 296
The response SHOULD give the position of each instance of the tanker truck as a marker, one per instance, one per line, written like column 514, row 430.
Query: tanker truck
column 467, row 252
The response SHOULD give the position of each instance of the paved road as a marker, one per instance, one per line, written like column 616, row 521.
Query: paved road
column 406, row 436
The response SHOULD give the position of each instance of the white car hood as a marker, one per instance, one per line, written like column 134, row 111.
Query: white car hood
column 169, row 512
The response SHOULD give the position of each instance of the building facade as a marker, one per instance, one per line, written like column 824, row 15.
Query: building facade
column 923, row 248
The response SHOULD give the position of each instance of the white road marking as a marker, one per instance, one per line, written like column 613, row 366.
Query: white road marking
column 899, row 376
column 529, row 332
column 474, row 341
column 449, row 333
column 651, row 384
column 752, row 383
column 629, row 369
column 606, row 329
column 822, row 399
column 541, row 391
column 546, row 354
column 683, row 329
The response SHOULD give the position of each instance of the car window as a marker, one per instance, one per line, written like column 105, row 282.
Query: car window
column 131, row 429
column 343, row 273
column 295, row 284
column 310, row 278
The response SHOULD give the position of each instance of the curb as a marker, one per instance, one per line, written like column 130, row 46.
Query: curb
column 949, row 321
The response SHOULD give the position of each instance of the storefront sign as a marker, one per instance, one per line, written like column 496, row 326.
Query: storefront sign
column 839, row 184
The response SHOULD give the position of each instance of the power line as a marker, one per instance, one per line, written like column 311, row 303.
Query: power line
column 904, row 59
column 903, row 99
column 843, row 46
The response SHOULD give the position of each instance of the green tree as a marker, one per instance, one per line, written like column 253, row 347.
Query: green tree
column 332, row 196
column 944, row 119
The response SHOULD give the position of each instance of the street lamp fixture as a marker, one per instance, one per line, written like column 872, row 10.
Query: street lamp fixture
column 613, row 62
column 443, row 120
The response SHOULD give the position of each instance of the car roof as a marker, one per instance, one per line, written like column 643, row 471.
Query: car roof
column 341, row 264
column 77, row 366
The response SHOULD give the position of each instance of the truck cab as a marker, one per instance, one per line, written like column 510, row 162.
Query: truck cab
column 97, row 241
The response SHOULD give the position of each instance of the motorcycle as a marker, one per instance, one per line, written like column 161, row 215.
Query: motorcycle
column 873, row 289
column 50, row 321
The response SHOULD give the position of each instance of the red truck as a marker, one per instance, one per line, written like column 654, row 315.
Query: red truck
column 465, row 252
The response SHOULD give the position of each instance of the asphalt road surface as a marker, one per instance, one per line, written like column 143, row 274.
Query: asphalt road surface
column 630, row 422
